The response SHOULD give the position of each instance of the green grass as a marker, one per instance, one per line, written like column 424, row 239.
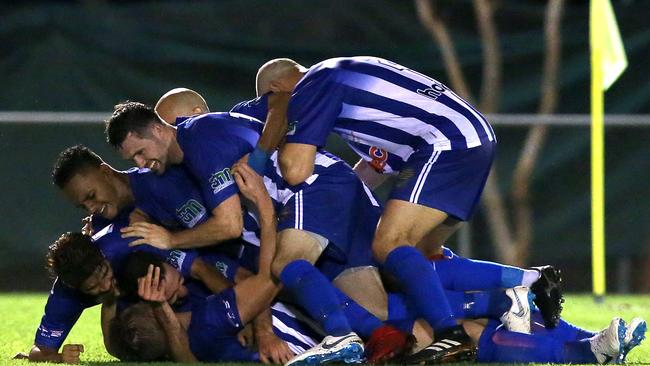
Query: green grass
column 21, row 313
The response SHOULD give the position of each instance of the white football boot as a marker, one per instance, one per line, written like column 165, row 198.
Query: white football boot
column 343, row 349
column 609, row 343
column 517, row 318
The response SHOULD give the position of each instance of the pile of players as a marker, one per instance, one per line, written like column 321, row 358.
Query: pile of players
column 239, row 238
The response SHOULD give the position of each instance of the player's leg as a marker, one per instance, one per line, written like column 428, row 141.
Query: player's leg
column 296, row 253
column 498, row 345
column 463, row 274
column 401, row 226
column 432, row 187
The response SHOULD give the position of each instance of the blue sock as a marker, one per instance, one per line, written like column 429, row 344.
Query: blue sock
column 400, row 314
column 316, row 295
column 500, row 345
column 564, row 330
column 420, row 283
column 361, row 320
column 462, row 274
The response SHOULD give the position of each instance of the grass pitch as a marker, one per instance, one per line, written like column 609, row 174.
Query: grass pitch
column 20, row 314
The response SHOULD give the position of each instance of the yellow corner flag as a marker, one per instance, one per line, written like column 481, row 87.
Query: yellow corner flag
column 608, row 61
column 605, row 38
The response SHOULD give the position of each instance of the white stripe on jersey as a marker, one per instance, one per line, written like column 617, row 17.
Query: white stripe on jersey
column 279, row 325
column 415, row 127
column 484, row 124
column 383, row 88
column 415, row 194
column 370, row 195
column 250, row 237
column 297, row 314
column 420, row 78
column 403, row 151
column 278, row 195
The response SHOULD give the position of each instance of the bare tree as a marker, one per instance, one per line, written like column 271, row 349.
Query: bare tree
column 512, row 244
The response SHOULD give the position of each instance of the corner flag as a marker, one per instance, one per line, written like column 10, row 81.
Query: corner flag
column 608, row 61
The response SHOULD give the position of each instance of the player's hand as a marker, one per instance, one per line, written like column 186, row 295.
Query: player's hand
column 250, row 183
column 273, row 349
column 151, row 287
column 152, row 234
column 70, row 353
column 87, row 225
column 246, row 337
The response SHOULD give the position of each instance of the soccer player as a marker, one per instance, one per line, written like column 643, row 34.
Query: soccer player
column 398, row 121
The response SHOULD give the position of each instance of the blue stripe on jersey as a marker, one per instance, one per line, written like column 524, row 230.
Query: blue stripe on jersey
column 386, row 133
column 395, row 78
column 446, row 126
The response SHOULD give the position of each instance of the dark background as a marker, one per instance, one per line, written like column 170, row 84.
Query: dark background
column 89, row 55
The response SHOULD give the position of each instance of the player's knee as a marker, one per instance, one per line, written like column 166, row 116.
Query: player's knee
column 385, row 242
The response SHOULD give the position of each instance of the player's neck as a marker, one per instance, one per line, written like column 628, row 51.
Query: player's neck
column 175, row 154
column 123, row 186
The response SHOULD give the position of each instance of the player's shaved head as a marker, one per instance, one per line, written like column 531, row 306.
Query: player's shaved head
column 278, row 74
column 180, row 102
column 72, row 161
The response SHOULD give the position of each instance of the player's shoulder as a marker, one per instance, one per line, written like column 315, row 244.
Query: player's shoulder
column 216, row 123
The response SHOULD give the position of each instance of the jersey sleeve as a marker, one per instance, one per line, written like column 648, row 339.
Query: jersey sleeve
column 224, row 264
column 214, row 150
column 62, row 310
column 313, row 110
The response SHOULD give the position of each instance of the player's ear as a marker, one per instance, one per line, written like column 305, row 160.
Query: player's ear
column 198, row 110
column 275, row 86
column 105, row 170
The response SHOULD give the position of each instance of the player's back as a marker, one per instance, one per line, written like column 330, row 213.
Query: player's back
column 378, row 106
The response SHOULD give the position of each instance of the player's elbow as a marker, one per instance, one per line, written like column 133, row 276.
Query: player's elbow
column 295, row 172
column 234, row 227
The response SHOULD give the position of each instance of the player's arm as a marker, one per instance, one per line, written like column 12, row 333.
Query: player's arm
column 368, row 175
column 225, row 223
column 151, row 288
column 177, row 338
column 108, row 313
column 257, row 292
column 275, row 128
column 312, row 113
column 210, row 276
column 62, row 310
column 297, row 162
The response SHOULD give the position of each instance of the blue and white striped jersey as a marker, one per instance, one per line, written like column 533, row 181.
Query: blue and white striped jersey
column 383, row 110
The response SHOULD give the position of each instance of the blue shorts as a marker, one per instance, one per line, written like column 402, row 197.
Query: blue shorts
column 450, row 181
column 342, row 210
